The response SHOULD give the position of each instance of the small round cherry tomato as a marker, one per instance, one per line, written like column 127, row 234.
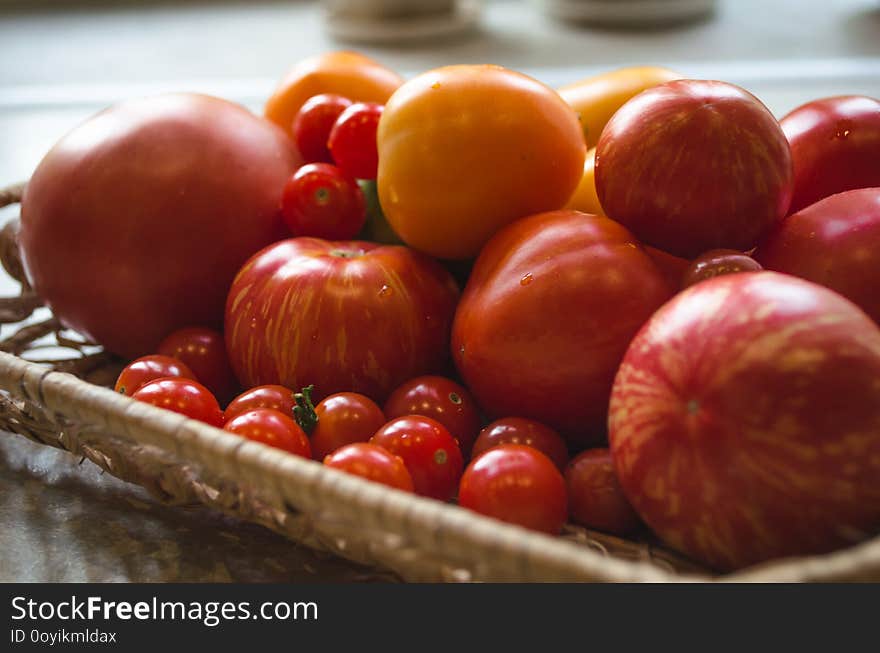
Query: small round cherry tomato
column 716, row 262
column 183, row 396
column 372, row 463
column 312, row 125
column 149, row 368
column 204, row 351
column 320, row 201
column 429, row 452
column 595, row 498
column 516, row 484
column 519, row 430
column 271, row 427
column 344, row 418
column 276, row 397
column 441, row 399
column 353, row 140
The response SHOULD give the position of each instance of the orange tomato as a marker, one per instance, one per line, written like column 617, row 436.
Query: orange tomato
column 350, row 74
column 585, row 199
column 464, row 150
column 597, row 98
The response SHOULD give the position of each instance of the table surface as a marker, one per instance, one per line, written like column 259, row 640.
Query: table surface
column 62, row 61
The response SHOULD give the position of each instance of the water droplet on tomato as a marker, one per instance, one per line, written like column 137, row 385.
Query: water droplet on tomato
column 526, row 280
column 435, row 85
column 844, row 127
column 385, row 291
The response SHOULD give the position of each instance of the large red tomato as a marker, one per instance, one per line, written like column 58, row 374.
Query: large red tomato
column 835, row 146
column 694, row 165
column 745, row 420
column 135, row 223
column 344, row 316
column 547, row 314
column 834, row 242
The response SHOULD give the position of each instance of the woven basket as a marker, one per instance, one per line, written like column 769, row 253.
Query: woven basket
column 65, row 404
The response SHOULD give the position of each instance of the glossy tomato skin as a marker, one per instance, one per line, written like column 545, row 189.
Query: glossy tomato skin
column 745, row 420
column 149, row 368
column 694, row 165
column 547, row 314
column 834, row 242
column 204, row 351
column 188, row 180
column 184, row 396
column 344, row 316
column 595, row 498
column 528, row 432
column 516, row 484
column 312, row 125
column 430, row 453
column 321, row 201
column 344, row 418
column 352, row 140
column 273, row 428
column 441, row 399
column 585, row 198
column 716, row 262
column 372, row 463
column 276, row 397
column 486, row 163
column 835, row 146
column 673, row 267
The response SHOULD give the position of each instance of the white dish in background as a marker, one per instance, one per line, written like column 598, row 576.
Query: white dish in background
column 386, row 21
column 629, row 12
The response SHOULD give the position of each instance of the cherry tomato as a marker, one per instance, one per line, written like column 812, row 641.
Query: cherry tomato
column 344, row 418
column 204, row 351
column 429, row 452
column 595, row 498
column 149, row 368
column 183, row 396
column 716, row 262
column 312, row 125
column 372, row 463
column 519, row 430
column 516, row 484
column 276, row 397
column 441, row 399
column 271, row 427
column 320, row 201
column 353, row 140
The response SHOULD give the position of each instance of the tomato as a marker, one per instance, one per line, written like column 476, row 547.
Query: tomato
column 464, row 150
column 204, row 351
column 276, row 397
column 271, row 427
column 528, row 432
column 595, row 499
column 717, row 262
column 441, row 399
column 546, row 316
column 184, row 396
column 345, row 316
column 312, row 125
column 352, row 140
column 135, row 223
column 430, row 453
column 672, row 267
column 694, row 165
column 835, row 146
column 319, row 200
column 150, row 368
column 834, row 242
column 349, row 74
column 516, row 484
column 344, row 418
column 372, row 463
column 745, row 420
column 597, row 98
column 585, row 198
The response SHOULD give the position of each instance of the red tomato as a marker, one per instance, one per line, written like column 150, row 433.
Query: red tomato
column 716, row 262
column 430, row 453
column 745, row 420
column 356, row 316
column 276, row 397
column 183, row 396
column 441, row 399
column 352, row 140
column 271, row 427
column 204, row 351
column 516, row 484
column 372, row 463
column 135, row 223
column 322, row 202
column 835, row 146
column 312, row 125
column 547, row 314
column 344, row 418
column 528, row 432
column 150, row 368
column 672, row 267
column 595, row 499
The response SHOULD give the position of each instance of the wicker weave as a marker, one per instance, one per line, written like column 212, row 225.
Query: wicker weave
column 183, row 461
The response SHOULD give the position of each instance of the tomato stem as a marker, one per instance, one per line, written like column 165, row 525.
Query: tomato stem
column 304, row 411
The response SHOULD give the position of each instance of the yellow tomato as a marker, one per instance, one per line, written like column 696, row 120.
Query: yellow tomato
column 585, row 198
column 597, row 98
column 464, row 150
